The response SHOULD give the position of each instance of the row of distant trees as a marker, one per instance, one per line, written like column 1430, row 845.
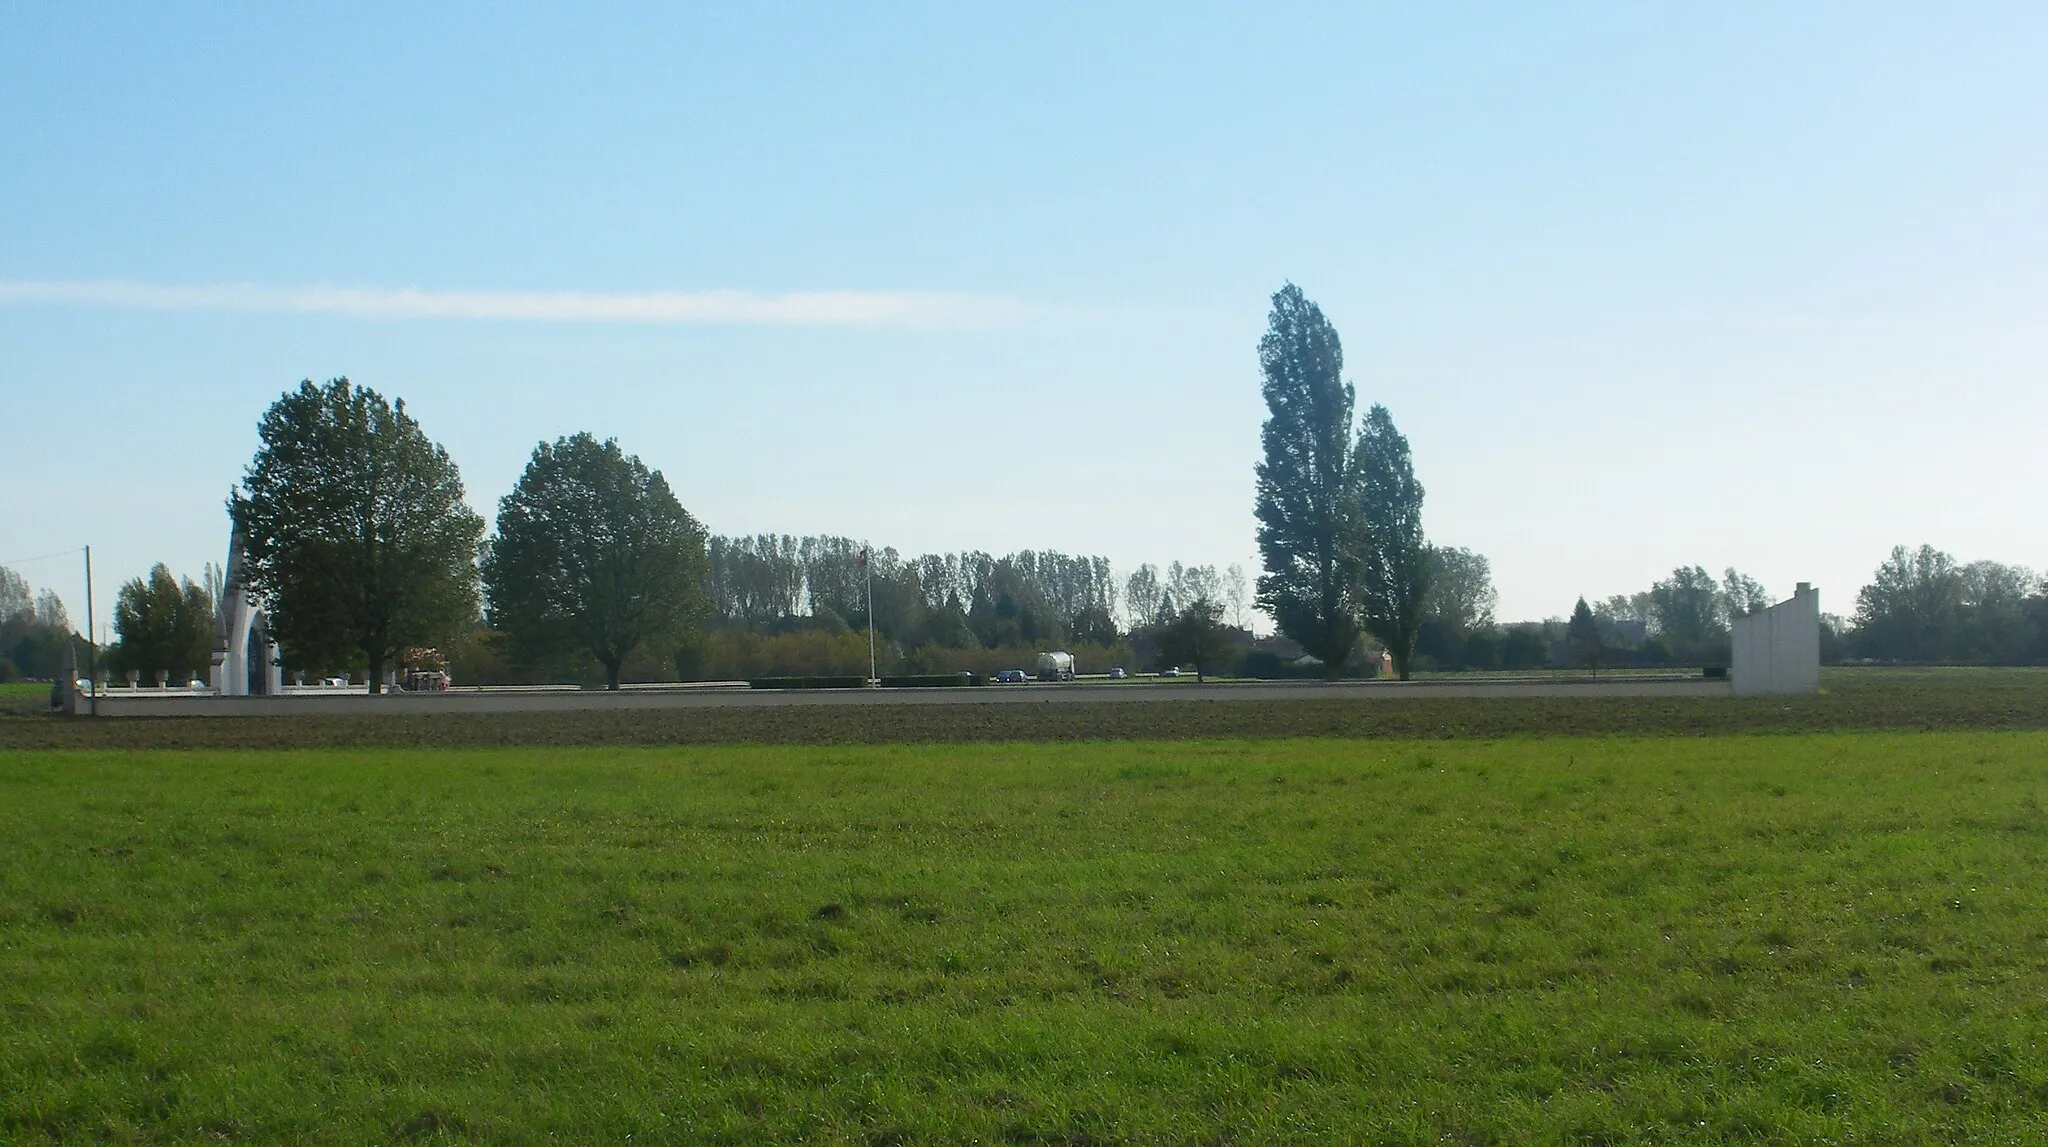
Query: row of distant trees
column 33, row 629
column 954, row 600
column 1683, row 619
column 1924, row 606
column 1921, row 606
column 165, row 627
column 359, row 542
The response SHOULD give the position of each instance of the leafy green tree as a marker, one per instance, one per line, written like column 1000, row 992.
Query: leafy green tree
column 1093, row 626
column 1584, row 634
column 1742, row 595
column 1995, row 625
column 1688, row 611
column 1397, row 564
column 2036, row 612
column 1482, row 649
column 945, row 626
column 1524, row 647
column 1196, row 636
column 1625, row 620
column 34, row 629
column 15, row 599
column 1234, row 597
column 17, row 623
column 1457, row 615
column 357, row 534
column 1461, row 591
column 1143, row 595
column 593, row 556
column 1913, row 606
column 165, row 626
column 1307, row 484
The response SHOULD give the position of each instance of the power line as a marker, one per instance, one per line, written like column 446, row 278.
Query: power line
column 43, row 558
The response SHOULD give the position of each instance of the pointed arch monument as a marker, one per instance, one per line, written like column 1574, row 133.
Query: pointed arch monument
column 246, row 659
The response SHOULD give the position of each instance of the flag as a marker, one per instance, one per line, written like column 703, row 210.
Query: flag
column 863, row 559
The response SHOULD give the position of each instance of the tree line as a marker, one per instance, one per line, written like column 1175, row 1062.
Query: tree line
column 954, row 600
column 362, row 548
column 361, row 545
column 1922, row 606
column 33, row 629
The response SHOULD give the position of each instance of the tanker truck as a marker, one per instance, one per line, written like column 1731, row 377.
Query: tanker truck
column 1057, row 666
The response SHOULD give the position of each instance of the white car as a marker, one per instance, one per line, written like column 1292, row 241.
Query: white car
column 1170, row 671
column 1118, row 674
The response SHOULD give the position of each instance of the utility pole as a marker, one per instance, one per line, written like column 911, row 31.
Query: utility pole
column 868, row 567
column 92, row 649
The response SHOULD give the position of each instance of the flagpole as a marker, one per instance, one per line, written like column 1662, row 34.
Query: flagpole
column 868, row 566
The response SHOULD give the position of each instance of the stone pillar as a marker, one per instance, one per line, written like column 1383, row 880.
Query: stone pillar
column 273, row 669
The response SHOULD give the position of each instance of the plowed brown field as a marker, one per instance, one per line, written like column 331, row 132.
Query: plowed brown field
column 1852, row 699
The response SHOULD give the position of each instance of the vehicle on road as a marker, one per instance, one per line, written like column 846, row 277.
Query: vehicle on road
column 1117, row 673
column 423, row 681
column 1056, row 666
column 1011, row 677
column 1170, row 671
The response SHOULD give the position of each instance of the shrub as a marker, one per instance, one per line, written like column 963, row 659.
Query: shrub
column 931, row 680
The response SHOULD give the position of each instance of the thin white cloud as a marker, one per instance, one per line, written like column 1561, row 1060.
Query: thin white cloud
column 932, row 309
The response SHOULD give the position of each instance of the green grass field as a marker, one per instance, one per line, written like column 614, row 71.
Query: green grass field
column 23, row 698
column 1801, row 938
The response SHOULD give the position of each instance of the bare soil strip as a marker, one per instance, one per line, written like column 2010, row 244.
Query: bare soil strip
column 2015, row 699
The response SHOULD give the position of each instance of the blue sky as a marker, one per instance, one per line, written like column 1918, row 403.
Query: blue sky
column 1724, row 284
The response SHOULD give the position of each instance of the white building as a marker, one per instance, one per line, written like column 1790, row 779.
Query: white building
column 1777, row 650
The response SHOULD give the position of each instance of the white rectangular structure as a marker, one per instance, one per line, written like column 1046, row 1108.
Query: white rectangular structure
column 1777, row 650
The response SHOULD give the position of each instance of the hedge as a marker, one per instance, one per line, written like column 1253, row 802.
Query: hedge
column 930, row 680
column 808, row 683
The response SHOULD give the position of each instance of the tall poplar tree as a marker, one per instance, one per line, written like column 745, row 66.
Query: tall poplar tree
column 1395, row 561
column 358, row 538
column 1307, row 485
column 165, row 626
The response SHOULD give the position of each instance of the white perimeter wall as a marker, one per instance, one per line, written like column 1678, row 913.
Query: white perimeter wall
column 1778, row 650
